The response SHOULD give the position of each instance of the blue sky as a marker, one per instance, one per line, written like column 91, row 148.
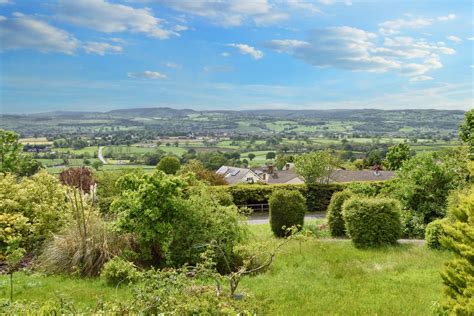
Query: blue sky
column 247, row 54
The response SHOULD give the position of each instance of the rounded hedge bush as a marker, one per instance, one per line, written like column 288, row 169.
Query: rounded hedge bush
column 119, row 271
column 433, row 233
column 372, row 222
column 335, row 220
column 287, row 209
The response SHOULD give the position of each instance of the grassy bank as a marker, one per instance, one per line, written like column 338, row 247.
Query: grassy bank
column 327, row 277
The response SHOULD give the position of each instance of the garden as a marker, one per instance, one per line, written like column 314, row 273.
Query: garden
column 166, row 242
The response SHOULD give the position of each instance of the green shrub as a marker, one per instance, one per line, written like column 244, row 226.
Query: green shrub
column 41, row 199
column 335, row 220
column 369, row 189
column 372, row 222
column 12, row 226
column 287, row 209
column 423, row 185
column 119, row 271
column 434, row 232
column 171, row 220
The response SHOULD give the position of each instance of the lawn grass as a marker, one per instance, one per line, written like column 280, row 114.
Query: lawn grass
column 84, row 293
column 332, row 277
column 328, row 277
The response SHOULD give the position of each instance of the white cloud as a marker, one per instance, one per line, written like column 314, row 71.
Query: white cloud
column 271, row 18
column 394, row 26
column 180, row 28
column 172, row 65
column 147, row 74
column 342, row 47
column 2, row 2
column 225, row 54
column 248, row 50
column 305, row 5
column 26, row 32
column 101, row 48
column 421, row 78
column 232, row 13
column 226, row 13
column 454, row 38
column 357, row 50
column 108, row 17
column 470, row 38
column 448, row 17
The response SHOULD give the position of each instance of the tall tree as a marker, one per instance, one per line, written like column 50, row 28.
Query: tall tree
column 169, row 165
column 466, row 132
column 396, row 156
column 316, row 167
column 12, row 158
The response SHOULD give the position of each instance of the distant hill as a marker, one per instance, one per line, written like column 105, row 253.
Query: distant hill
column 275, row 113
column 151, row 112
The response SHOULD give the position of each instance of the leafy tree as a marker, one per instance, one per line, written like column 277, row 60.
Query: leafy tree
column 316, row 167
column 282, row 160
column 423, row 185
column 97, row 164
column 12, row 158
column 202, row 174
column 152, row 159
column 458, row 274
column 168, row 223
column 396, row 156
column 374, row 157
column 212, row 160
column 169, row 165
column 251, row 156
column 10, row 151
column 466, row 132
column 270, row 155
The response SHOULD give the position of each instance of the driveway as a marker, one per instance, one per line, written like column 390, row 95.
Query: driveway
column 263, row 219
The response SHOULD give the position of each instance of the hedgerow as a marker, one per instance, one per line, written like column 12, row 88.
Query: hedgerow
column 318, row 196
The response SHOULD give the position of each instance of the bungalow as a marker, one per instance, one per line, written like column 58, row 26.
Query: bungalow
column 270, row 175
column 234, row 175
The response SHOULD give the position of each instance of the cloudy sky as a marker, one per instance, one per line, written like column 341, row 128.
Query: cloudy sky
column 246, row 54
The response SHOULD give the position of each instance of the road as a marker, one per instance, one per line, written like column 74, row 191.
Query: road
column 256, row 219
column 100, row 156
